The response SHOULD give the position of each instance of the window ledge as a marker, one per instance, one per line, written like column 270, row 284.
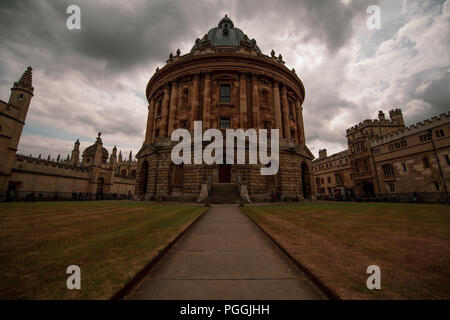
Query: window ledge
column 225, row 104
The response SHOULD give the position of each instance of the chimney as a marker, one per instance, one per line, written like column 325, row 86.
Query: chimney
column 322, row 153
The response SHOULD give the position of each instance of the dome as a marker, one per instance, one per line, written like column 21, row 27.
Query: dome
column 226, row 35
column 90, row 151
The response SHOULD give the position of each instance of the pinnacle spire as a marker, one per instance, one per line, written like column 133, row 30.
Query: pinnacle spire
column 26, row 79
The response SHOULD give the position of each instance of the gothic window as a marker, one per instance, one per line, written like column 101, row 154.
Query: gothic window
column 133, row 173
column 447, row 158
column 21, row 97
column 405, row 168
column 425, row 137
column 338, row 178
column 328, row 179
column 185, row 97
column 266, row 125
column 123, row 173
column 439, row 133
column 264, row 98
column 225, row 93
column 388, row 170
column 426, row 163
column 225, row 123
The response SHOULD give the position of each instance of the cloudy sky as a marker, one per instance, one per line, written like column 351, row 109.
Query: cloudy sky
column 94, row 79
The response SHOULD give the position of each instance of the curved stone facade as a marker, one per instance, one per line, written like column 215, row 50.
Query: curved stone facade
column 224, row 87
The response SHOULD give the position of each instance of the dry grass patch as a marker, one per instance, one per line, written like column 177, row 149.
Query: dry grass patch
column 338, row 241
column 110, row 241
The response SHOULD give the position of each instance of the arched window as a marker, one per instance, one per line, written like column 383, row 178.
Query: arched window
column 133, row 173
column 158, row 108
column 291, row 108
column 123, row 172
column 264, row 99
column 185, row 97
column 178, row 175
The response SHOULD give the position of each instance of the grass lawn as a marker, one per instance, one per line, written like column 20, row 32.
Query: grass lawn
column 110, row 241
column 338, row 241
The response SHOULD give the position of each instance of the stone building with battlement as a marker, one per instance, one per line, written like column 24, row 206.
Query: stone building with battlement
column 226, row 82
column 95, row 176
column 389, row 161
column 414, row 163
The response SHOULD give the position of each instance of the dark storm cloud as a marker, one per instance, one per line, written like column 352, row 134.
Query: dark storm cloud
column 329, row 22
column 94, row 79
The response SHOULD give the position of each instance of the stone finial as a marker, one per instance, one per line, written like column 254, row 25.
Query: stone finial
column 293, row 70
column 157, row 69
column 171, row 56
column 272, row 53
column 280, row 57
column 178, row 52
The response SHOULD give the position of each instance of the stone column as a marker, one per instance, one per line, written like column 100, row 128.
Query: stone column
column 243, row 102
column 285, row 107
column 207, row 102
column 165, row 112
column 173, row 108
column 255, row 102
column 300, row 124
column 150, row 120
column 277, row 107
column 195, row 100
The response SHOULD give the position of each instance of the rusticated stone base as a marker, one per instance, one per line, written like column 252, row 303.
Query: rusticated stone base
column 164, row 180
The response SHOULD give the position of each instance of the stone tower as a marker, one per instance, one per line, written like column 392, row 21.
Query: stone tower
column 75, row 159
column 12, row 120
column 397, row 117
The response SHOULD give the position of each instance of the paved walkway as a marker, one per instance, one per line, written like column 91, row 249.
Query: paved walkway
column 225, row 256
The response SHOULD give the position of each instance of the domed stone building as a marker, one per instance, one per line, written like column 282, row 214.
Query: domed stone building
column 225, row 82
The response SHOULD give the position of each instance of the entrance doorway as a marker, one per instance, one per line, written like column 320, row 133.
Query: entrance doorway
column 368, row 189
column 306, row 181
column 224, row 173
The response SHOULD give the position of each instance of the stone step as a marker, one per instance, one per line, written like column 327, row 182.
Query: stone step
column 224, row 193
